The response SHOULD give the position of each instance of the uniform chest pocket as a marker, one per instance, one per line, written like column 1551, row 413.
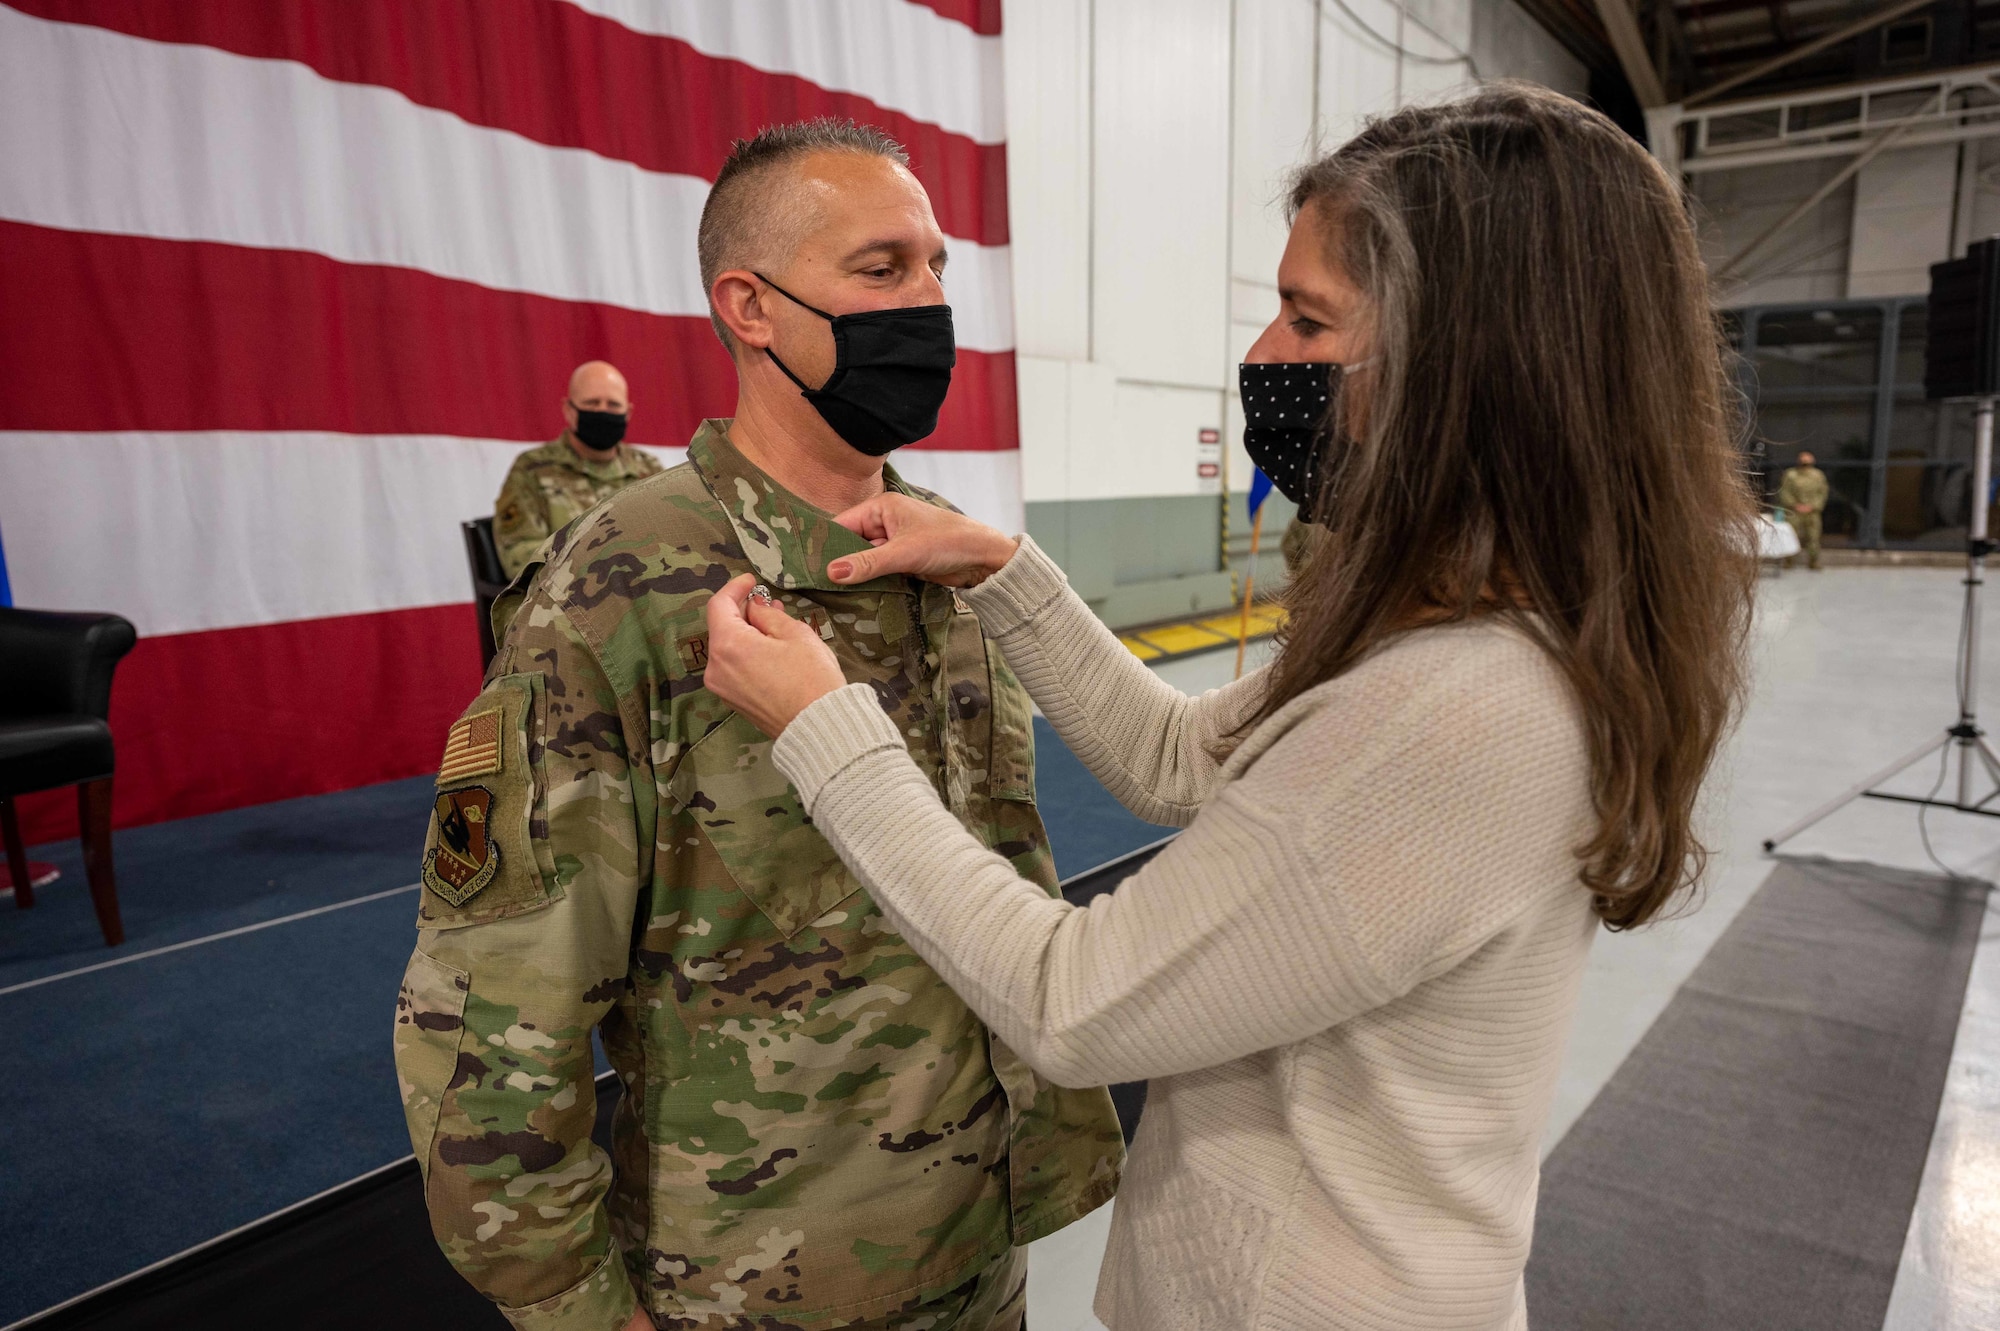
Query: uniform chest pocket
column 1013, row 743
column 752, row 817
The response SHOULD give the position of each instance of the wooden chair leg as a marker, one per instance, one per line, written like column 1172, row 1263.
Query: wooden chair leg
column 93, row 815
column 17, row 854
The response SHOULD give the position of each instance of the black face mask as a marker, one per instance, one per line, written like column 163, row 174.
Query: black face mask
column 599, row 430
column 1289, row 415
column 891, row 369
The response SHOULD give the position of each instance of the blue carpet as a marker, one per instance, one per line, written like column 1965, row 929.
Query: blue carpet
column 153, row 1105
column 199, row 876
column 1086, row 825
column 156, row 1104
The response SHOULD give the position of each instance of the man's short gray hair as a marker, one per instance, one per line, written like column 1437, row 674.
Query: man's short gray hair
column 751, row 220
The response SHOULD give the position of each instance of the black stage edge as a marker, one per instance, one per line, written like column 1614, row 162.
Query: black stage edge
column 1754, row 1161
column 1093, row 883
column 1130, row 1096
column 361, row 1254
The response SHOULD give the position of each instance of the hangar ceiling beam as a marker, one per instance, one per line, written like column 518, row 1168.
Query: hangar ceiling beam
column 1621, row 25
column 1882, row 142
column 1950, row 106
column 1799, row 52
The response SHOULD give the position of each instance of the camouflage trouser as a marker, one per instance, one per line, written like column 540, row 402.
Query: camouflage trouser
column 1806, row 526
column 994, row 1300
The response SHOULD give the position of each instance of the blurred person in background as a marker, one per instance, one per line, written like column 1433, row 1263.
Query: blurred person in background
column 574, row 473
column 1497, row 384
column 815, row 1130
column 1296, row 547
column 1802, row 494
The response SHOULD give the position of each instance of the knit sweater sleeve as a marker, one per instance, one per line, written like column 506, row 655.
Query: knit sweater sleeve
column 1311, row 889
column 1149, row 743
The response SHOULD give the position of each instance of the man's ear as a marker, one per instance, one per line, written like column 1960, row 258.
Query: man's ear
column 568, row 412
column 739, row 304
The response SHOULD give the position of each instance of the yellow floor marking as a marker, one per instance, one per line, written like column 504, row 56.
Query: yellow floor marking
column 1195, row 635
column 1261, row 622
column 1176, row 638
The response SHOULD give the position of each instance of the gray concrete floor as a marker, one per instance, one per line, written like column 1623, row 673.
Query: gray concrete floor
column 1949, row 1276
column 1852, row 667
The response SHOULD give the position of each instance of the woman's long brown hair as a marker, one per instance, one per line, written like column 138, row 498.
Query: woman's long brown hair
column 1549, row 435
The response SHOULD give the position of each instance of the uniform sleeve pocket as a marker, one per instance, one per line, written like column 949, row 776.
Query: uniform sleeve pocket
column 752, row 817
column 484, row 857
column 430, row 1017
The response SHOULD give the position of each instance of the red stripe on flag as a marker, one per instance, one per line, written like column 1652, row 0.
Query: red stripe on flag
column 217, row 720
column 556, row 74
column 224, row 337
column 982, row 16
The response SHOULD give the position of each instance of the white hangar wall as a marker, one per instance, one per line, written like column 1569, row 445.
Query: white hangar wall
column 1148, row 142
column 1876, row 234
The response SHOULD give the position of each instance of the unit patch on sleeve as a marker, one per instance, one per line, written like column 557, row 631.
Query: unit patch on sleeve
column 472, row 748
column 466, row 857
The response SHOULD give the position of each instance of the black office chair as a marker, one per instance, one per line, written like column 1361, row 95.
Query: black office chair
column 488, row 580
column 54, row 732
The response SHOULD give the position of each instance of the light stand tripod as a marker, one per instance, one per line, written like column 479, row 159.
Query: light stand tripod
column 1966, row 734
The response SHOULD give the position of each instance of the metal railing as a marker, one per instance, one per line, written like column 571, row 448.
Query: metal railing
column 1947, row 106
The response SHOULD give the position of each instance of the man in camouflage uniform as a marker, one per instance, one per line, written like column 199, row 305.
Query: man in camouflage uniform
column 814, row 1131
column 1802, row 494
column 549, row 486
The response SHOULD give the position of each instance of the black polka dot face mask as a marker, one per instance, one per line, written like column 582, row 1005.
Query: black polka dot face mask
column 1289, row 412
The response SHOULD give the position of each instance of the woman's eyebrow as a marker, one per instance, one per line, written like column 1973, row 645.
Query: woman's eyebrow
column 1300, row 297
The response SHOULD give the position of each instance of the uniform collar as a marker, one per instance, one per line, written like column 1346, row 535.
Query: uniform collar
column 609, row 469
column 788, row 541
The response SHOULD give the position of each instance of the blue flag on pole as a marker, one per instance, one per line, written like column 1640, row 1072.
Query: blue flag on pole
column 6, row 592
column 1260, row 489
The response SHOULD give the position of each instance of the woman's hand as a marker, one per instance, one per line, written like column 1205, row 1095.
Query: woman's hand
column 761, row 661
column 920, row 539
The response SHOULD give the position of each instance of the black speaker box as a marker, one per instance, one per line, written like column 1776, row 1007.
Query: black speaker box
column 1962, row 342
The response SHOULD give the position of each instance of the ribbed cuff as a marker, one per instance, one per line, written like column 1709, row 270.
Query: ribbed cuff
column 601, row 1301
column 830, row 736
column 1023, row 588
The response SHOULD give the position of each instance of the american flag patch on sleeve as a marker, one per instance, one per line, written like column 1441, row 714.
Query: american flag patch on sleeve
column 472, row 748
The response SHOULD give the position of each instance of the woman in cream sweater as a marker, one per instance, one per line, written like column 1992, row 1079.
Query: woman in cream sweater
column 1508, row 664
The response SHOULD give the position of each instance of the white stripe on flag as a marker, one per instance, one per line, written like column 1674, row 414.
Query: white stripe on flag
column 894, row 53
column 104, row 132
column 181, row 531
column 986, row 486
column 201, row 530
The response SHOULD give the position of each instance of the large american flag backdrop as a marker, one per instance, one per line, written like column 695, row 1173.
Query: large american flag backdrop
column 286, row 284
